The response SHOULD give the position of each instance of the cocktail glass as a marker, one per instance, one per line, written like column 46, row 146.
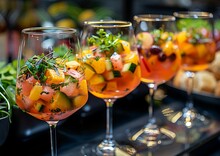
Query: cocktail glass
column 50, row 84
column 112, row 71
column 160, row 60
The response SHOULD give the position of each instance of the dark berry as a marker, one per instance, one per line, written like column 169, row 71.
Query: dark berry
column 172, row 57
column 139, row 48
column 155, row 49
column 162, row 57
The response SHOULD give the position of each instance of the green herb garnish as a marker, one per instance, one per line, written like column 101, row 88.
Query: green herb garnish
column 38, row 64
column 106, row 42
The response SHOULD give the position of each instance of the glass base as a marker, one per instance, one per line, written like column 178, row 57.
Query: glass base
column 107, row 149
column 150, row 136
column 190, row 118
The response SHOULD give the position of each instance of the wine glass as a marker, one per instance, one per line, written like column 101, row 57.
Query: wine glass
column 50, row 84
column 112, row 71
column 160, row 60
column 196, row 42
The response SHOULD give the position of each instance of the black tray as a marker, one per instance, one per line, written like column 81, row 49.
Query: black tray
column 198, row 98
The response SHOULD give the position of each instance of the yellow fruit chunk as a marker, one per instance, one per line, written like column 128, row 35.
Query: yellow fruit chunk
column 131, row 58
column 88, row 72
column 126, row 46
column 201, row 49
column 168, row 48
column 36, row 92
column 98, row 65
column 80, row 100
column 83, row 87
column 72, row 65
column 188, row 49
column 111, row 86
column 182, row 37
column 87, row 52
column 60, row 102
column 96, row 79
column 53, row 77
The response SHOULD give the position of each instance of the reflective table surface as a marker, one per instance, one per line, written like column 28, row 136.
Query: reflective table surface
column 29, row 137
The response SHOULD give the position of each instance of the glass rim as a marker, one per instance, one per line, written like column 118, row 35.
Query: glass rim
column 154, row 17
column 193, row 14
column 108, row 23
column 52, row 30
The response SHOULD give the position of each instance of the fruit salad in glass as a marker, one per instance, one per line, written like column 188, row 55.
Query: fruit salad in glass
column 159, row 56
column 51, row 87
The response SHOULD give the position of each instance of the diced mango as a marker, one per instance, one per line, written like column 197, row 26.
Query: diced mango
column 72, row 65
column 83, row 89
column 111, row 86
column 80, row 101
column 182, row 37
column 126, row 46
column 96, row 79
column 53, row 77
column 168, row 48
column 35, row 92
column 60, row 102
column 188, row 49
column 98, row 65
column 201, row 50
column 131, row 58
column 88, row 72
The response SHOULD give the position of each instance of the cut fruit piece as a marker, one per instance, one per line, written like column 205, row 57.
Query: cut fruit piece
column 35, row 92
column 37, row 107
column 72, row 65
column 70, row 90
column 60, row 102
column 123, row 47
column 88, row 72
column 112, row 74
column 80, row 101
column 83, row 89
column 96, row 79
column 47, row 93
column 116, row 61
column 108, row 65
column 98, row 65
column 131, row 58
column 129, row 67
column 54, row 77
column 146, row 39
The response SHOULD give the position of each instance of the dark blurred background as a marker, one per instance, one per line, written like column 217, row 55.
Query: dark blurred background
column 18, row 14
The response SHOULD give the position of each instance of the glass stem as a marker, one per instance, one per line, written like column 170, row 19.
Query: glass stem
column 190, row 77
column 152, row 88
column 53, row 139
column 109, row 124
